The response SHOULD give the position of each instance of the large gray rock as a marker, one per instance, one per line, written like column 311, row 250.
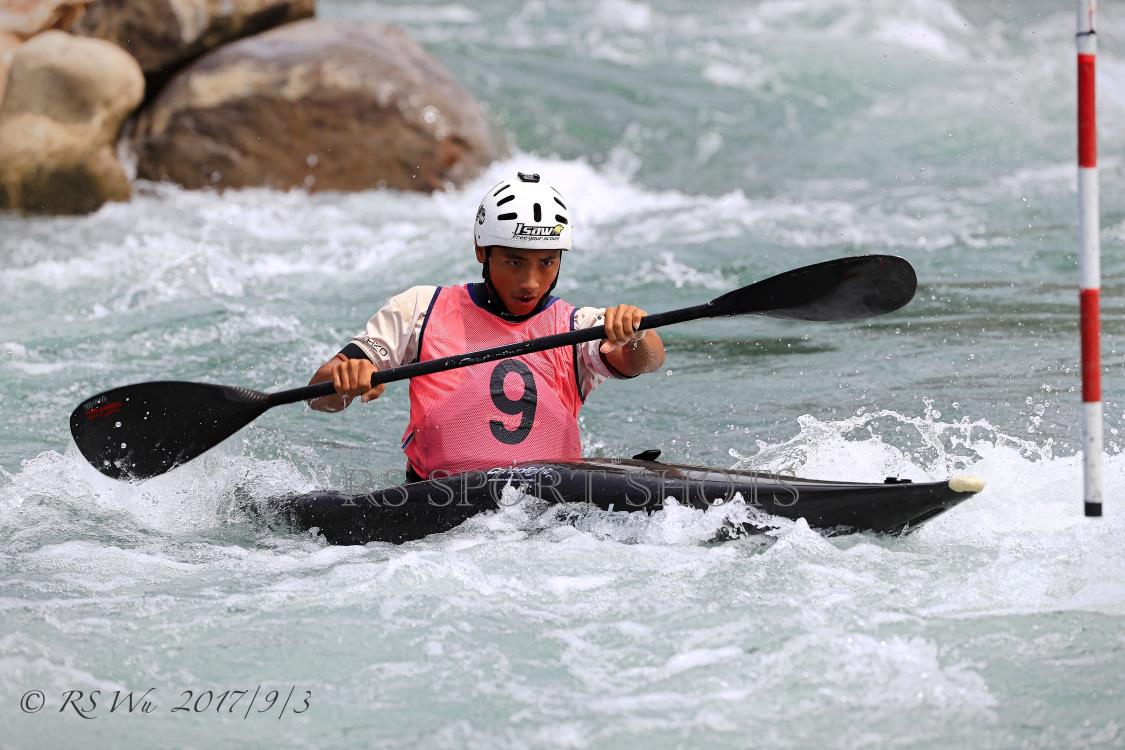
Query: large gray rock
column 315, row 104
column 66, row 100
column 162, row 34
column 27, row 18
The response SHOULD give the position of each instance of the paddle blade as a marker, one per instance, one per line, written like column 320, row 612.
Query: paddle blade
column 142, row 430
column 843, row 289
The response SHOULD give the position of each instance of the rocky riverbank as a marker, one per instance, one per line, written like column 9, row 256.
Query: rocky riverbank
column 213, row 94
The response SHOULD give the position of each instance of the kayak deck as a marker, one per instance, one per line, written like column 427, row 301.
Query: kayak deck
column 412, row 511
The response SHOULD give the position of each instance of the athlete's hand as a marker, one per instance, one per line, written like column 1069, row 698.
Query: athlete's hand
column 352, row 377
column 621, row 323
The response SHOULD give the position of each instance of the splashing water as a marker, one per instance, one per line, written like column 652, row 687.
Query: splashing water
column 700, row 149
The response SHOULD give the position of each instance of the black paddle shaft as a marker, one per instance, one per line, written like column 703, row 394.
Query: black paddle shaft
column 488, row 355
column 142, row 430
column 836, row 290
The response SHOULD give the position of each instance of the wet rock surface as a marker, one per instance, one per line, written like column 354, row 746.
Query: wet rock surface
column 163, row 34
column 319, row 105
column 65, row 103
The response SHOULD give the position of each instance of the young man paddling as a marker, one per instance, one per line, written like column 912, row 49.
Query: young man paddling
column 495, row 413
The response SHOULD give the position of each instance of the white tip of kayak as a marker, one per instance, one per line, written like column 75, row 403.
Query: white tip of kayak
column 966, row 484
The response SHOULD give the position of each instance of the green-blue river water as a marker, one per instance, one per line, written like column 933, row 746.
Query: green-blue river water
column 701, row 147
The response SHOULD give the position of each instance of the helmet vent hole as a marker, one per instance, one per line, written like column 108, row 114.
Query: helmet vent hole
column 506, row 217
column 561, row 219
column 505, row 199
column 538, row 213
column 501, row 189
column 560, row 203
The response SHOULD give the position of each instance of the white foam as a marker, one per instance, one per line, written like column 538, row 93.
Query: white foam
column 567, row 585
column 670, row 270
column 911, row 672
column 700, row 657
column 451, row 14
column 629, row 15
column 927, row 25
column 917, row 35
column 200, row 495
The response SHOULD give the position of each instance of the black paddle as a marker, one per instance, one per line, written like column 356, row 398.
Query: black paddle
column 143, row 430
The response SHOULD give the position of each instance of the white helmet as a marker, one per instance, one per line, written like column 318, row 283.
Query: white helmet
column 524, row 213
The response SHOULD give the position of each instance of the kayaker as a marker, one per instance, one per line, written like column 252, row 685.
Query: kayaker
column 495, row 413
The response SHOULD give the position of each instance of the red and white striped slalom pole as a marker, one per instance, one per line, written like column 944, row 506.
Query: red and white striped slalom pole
column 1089, row 260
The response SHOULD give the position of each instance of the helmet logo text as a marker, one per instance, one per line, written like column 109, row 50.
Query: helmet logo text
column 538, row 232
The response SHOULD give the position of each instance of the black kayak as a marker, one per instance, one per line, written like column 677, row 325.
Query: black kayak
column 412, row 511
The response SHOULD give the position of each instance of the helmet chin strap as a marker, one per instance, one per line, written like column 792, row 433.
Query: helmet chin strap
column 496, row 304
